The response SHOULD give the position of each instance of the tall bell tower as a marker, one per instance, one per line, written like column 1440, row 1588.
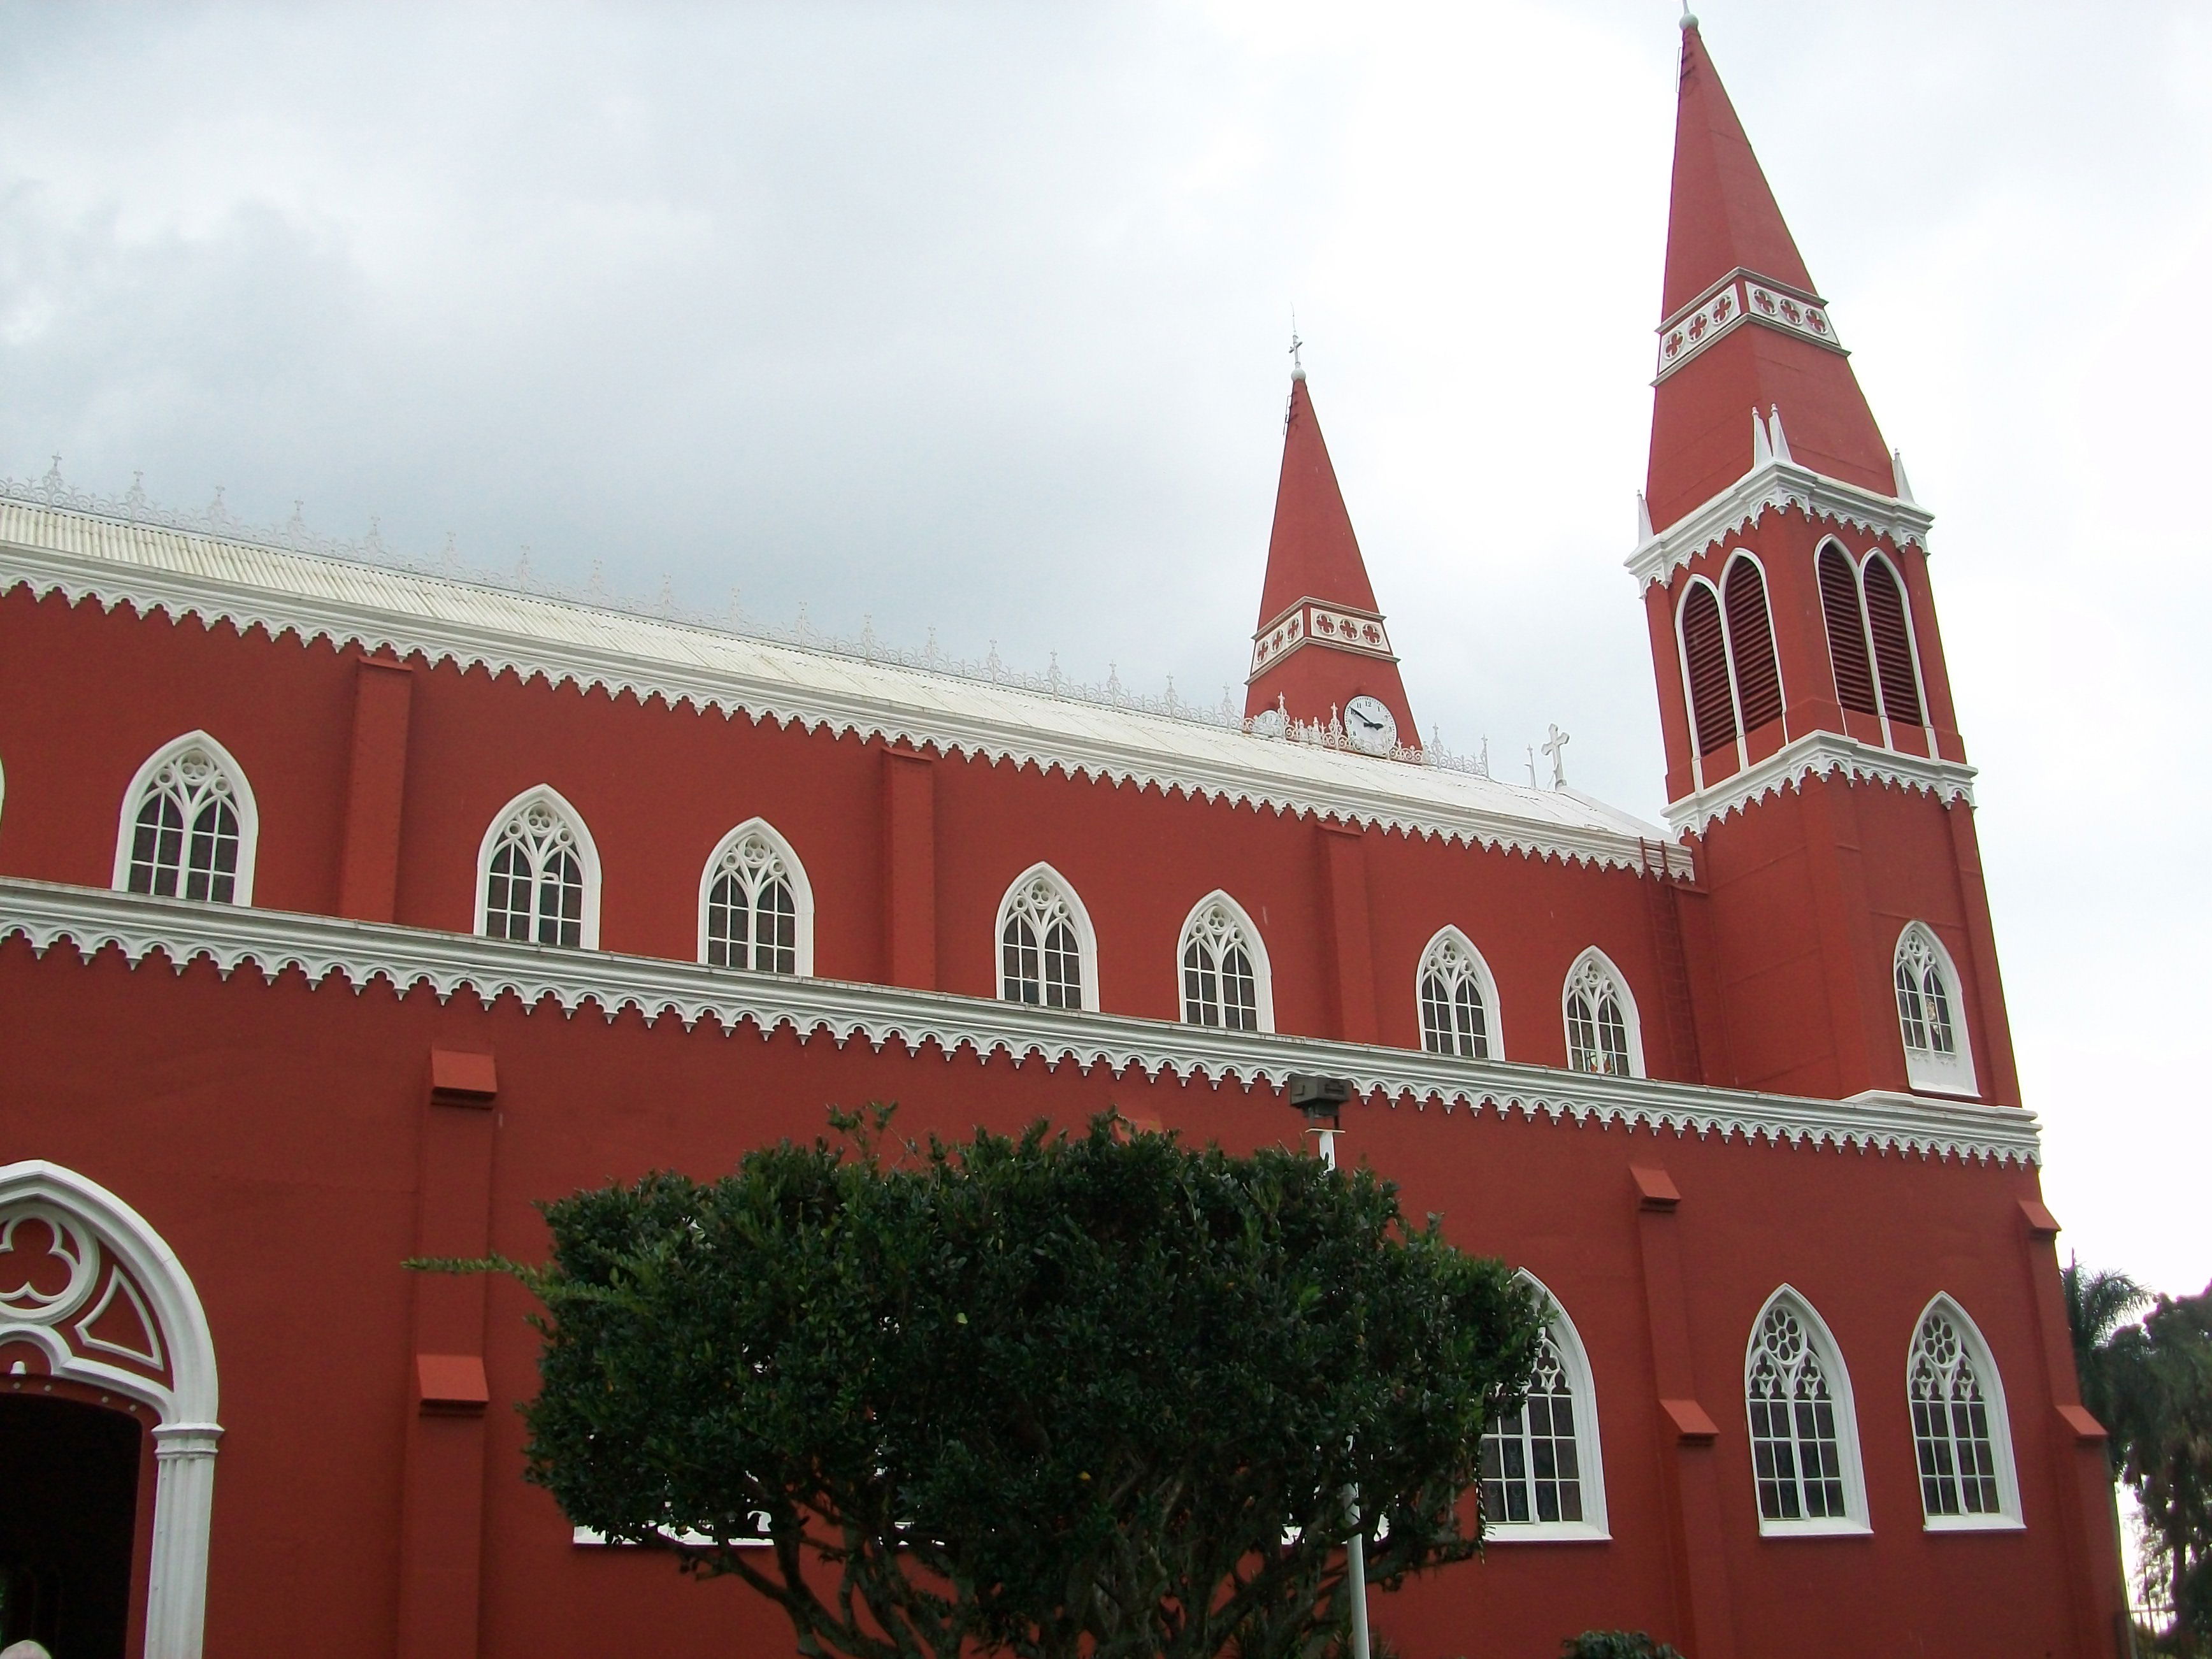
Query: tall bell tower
column 1841, row 941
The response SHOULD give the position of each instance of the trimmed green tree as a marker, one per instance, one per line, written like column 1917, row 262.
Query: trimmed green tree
column 1049, row 1395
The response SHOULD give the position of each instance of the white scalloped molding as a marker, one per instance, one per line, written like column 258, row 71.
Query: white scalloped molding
column 314, row 597
column 1817, row 755
column 1776, row 486
column 91, row 920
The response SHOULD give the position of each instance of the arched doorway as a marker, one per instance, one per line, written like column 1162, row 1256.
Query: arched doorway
column 100, row 1331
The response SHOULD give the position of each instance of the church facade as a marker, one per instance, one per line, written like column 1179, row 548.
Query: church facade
column 347, row 911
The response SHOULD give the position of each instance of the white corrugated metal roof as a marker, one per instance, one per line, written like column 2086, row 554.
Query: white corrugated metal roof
column 315, row 595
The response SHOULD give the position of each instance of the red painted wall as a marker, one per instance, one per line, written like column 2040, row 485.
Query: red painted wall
column 271, row 1134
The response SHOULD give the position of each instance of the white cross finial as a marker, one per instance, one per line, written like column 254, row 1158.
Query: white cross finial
column 1297, row 368
column 1555, row 747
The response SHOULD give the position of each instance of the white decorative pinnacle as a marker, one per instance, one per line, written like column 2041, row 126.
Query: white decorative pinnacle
column 91, row 920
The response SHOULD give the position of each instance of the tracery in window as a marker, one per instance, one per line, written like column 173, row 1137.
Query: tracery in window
column 539, row 876
column 1458, row 1012
column 756, row 908
column 189, row 826
column 1224, row 968
column 1803, row 1461
column 1929, row 1018
column 1601, row 1028
column 1958, row 1421
column 1045, row 943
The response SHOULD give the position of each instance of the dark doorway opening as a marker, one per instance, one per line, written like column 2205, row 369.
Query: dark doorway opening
column 69, row 1505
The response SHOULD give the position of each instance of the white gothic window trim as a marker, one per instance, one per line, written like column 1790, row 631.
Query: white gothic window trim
column 185, row 790
column 1214, row 923
column 1804, row 1459
column 1931, row 1015
column 1040, row 901
column 753, row 858
column 1451, row 972
column 1568, row 1360
column 1597, row 1042
column 1950, row 1460
column 540, row 824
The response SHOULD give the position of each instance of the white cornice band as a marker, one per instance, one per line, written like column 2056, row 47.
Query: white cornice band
column 1818, row 754
column 81, row 556
column 91, row 920
column 1775, row 486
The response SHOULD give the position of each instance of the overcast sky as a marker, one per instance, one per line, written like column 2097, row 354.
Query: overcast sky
column 974, row 319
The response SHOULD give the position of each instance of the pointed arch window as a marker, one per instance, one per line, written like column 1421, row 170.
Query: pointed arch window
column 1961, row 1438
column 1931, row 1015
column 1704, row 660
column 1603, row 1035
column 538, row 874
column 1047, row 953
column 1848, row 653
column 756, row 907
column 1226, row 981
column 1751, row 644
column 1804, row 1442
column 1542, row 1475
column 1458, row 999
column 190, row 826
column 1893, row 643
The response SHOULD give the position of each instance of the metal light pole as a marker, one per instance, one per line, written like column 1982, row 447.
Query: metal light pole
column 1321, row 1099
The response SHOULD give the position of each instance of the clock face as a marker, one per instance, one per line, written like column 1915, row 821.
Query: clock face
column 1370, row 724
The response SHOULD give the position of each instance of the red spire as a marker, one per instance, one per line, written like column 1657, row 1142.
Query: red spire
column 1321, row 641
column 1715, row 368
column 1722, row 216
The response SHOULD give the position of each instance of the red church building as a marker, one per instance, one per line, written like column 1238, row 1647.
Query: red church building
column 346, row 910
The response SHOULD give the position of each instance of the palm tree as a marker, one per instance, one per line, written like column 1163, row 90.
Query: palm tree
column 2098, row 1307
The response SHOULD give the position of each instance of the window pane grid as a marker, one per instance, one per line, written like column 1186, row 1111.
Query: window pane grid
column 1040, row 952
column 752, row 917
column 184, row 840
column 1531, row 1463
column 1220, row 985
column 1454, row 1020
column 1597, row 1026
column 1796, row 1452
column 1924, row 1000
column 534, row 884
column 1956, row 1452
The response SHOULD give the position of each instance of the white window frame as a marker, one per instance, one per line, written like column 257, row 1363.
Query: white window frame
column 587, row 853
column 1911, row 648
column 1493, row 1023
column 1574, row 1360
column 1263, row 974
column 241, row 798
column 795, row 872
column 1854, row 1522
column 1594, row 957
column 1925, row 1071
column 2007, row 1517
column 1086, row 938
